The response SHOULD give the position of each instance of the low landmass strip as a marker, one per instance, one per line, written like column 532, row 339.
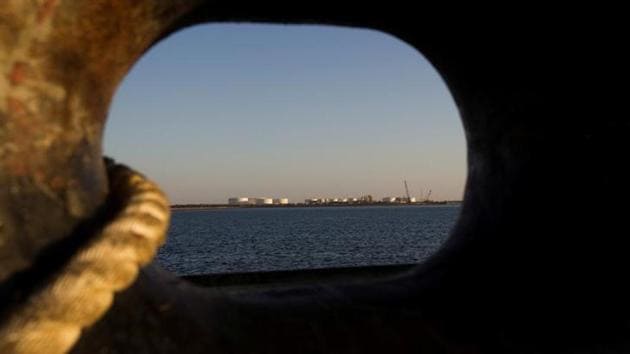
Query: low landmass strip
column 310, row 205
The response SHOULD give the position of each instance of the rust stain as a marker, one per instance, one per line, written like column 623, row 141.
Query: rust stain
column 16, row 107
column 46, row 10
column 57, row 183
column 17, row 167
column 39, row 176
column 18, row 73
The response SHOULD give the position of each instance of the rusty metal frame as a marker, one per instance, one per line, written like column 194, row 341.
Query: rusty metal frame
column 520, row 273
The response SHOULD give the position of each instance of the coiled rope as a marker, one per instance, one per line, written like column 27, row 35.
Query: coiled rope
column 51, row 320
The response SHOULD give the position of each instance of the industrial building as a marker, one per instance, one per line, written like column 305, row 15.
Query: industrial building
column 335, row 200
column 239, row 201
column 257, row 201
column 400, row 200
column 281, row 201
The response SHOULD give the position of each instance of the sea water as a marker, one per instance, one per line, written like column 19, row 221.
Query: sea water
column 265, row 239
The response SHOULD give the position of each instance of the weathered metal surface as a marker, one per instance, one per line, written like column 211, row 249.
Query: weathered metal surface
column 534, row 264
column 60, row 63
column 81, row 291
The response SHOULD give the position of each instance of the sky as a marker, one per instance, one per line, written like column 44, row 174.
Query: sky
column 218, row 111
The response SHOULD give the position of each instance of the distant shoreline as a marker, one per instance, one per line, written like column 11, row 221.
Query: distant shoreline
column 303, row 205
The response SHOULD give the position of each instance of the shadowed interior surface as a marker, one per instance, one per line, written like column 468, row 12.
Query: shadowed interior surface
column 539, row 131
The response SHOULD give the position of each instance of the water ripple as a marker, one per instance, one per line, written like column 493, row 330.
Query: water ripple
column 242, row 240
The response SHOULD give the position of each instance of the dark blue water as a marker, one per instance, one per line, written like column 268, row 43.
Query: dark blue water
column 260, row 239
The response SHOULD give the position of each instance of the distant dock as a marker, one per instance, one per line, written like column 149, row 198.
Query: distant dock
column 309, row 205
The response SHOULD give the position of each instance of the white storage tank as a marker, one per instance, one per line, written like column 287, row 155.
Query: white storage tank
column 264, row 201
column 239, row 201
column 281, row 201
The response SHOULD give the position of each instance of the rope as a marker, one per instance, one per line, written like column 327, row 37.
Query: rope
column 51, row 320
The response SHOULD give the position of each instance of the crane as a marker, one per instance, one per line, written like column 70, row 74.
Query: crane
column 427, row 197
column 407, row 191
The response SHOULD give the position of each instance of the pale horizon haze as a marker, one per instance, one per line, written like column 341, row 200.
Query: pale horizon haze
column 219, row 111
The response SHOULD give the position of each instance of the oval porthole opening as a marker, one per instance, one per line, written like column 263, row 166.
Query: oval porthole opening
column 292, row 147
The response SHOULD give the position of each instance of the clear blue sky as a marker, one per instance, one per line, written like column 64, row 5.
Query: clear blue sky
column 217, row 111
